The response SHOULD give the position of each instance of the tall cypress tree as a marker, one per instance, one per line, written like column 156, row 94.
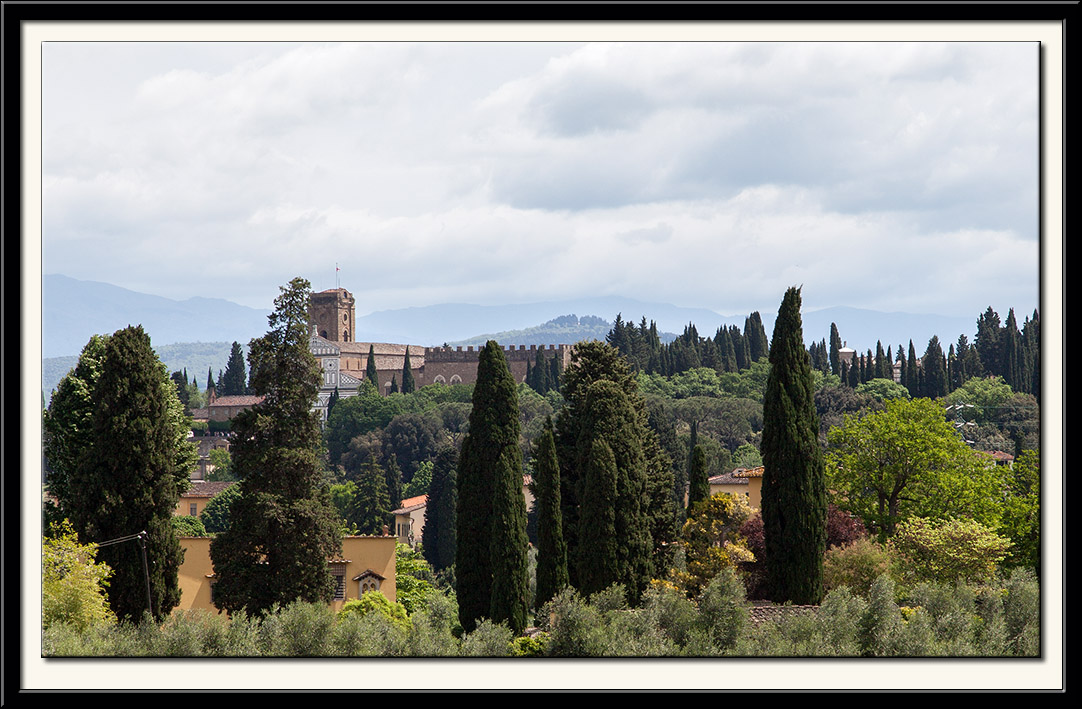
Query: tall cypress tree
column 394, row 384
column 755, row 333
column 372, row 506
column 490, row 572
column 408, row 384
column 794, row 504
column 934, row 367
column 234, row 380
column 700, row 482
column 283, row 526
column 912, row 379
column 116, row 442
column 597, row 562
column 835, row 346
column 551, row 548
column 438, row 537
column 370, row 369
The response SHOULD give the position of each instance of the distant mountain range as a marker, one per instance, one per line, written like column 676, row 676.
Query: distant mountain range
column 73, row 310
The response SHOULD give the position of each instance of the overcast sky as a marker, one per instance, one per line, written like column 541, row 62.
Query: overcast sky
column 889, row 176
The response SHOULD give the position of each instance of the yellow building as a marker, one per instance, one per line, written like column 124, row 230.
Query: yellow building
column 366, row 564
column 755, row 484
column 194, row 501
column 729, row 483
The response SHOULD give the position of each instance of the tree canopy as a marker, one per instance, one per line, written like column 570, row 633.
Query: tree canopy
column 283, row 526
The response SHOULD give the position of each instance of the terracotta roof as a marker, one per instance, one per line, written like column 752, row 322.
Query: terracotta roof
column 412, row 503
column 999, row 455
column 366, row 573
column 728, row 479
column 241, row 400
column 748, row 472
column 202, row 488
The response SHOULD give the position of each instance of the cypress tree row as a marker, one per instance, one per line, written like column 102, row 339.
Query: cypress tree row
column 794, row 504
column 551, row 548
column 438, row 536
column 283, row 527
column 491, row 511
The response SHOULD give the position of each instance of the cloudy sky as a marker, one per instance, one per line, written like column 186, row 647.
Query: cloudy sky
column 891, row 176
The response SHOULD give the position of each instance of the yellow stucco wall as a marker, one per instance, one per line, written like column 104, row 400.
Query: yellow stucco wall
column 360, row 553
column 731, row 488
column 755, row 492
column 184, row 505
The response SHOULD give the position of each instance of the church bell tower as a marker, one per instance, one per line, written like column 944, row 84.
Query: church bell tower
column 332, row 312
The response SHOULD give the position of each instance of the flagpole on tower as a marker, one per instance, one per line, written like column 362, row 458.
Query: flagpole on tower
column 336, row 283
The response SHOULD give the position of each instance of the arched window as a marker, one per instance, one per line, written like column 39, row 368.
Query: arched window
column 455, row 379
column 439, row 379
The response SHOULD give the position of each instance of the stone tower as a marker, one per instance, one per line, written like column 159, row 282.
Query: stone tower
column 332, row 314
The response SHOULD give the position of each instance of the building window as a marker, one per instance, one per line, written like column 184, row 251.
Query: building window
column 339, row 587
column 193, row 510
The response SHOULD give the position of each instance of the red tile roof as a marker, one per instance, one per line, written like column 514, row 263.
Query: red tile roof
column 412, row 503
column 202, row 488
column 748, row 472
column 241, row 400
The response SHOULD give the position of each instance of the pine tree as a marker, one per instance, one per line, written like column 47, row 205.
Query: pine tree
column 491, row 512
column 115, row 437
column 438, row 536
column 794, row 504
column 700, row 482
column 552, row 574
column 408, row 384
column 370, row 368
column 234, row 381
column 283, row 526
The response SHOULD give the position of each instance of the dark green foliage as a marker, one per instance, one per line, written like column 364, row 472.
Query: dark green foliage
column 835, row 346
column 188, row 526
column 755, row 334
column 210, row 378
column 794, row 504
column 912, row 381
column 552, row 574
column 603, row 403
column 216, row 514
column 283, row 526
column 597, row 566
column 700, row 483
column 933, row 368
column 370, row 368
column 438, row 537
column 371, row 508
column 234, row 380
column 408, row 384
column 115, row 438
column 394, row 384
column 491, row 511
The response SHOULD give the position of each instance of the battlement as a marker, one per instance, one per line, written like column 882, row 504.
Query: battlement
column 470, row 353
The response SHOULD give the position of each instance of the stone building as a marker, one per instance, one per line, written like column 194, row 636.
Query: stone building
column 345, row 361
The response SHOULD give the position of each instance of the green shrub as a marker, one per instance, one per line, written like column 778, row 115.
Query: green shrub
column 840, row 614
column 856, row 565
column 948, row 550
column 881, row 621
column 369, row 635
column 1022, row 613
column 574, row 627
column 526, row 646
column 188, row 526
column 376, row 602
column 487, row 640
column 72, row 581
column 299, row 630
column 723, row 612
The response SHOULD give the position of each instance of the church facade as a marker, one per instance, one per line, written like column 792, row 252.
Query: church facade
column 345, row 361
